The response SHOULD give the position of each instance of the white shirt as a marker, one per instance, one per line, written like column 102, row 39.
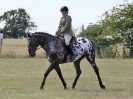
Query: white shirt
column 1, row 35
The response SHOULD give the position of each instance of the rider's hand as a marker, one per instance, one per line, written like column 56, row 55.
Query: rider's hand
column 57, row 33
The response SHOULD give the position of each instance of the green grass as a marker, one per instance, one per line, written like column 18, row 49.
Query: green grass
column 21, row 79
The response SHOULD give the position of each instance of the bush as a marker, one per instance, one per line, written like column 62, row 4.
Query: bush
column 110, row 51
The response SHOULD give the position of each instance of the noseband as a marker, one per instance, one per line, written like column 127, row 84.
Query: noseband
column 38, row 48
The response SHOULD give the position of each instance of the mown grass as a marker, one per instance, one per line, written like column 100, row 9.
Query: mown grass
column 21, row 79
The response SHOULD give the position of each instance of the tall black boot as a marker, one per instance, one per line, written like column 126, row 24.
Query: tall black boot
column 69, row 50
column 70, row 53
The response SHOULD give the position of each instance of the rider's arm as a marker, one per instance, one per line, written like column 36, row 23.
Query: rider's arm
column 59, row 28
column 67, row 25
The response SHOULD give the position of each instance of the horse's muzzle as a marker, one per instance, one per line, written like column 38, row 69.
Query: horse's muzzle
column 32, row 55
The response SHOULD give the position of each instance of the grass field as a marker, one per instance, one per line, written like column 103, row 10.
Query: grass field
column 21, row 78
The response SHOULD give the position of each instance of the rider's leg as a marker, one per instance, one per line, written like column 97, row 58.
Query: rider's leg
column 67, row 42
column 67, row 39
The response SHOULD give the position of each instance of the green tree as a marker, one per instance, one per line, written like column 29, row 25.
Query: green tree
column 118, row 22
column 17, row 23
column 94, row 33
column 102, row 40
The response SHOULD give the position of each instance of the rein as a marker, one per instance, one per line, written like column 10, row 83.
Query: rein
column 59, row 36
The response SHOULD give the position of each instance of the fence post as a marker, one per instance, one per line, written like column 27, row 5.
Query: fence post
column 124, row 51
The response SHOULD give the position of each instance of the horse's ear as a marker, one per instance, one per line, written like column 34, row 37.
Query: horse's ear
column 28, row 35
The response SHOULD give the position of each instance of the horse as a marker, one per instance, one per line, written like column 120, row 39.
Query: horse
column 56, row 52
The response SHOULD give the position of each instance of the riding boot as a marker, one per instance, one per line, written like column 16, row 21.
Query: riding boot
column 69, row 52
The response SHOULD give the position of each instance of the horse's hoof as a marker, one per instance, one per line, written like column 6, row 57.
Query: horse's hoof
column 41, row 88
column 65, row 87
column 102, row 86
column 73, row 87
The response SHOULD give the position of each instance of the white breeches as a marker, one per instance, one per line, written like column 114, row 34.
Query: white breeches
column 67, row 39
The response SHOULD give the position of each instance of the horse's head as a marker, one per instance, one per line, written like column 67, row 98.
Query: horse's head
column 32, row 45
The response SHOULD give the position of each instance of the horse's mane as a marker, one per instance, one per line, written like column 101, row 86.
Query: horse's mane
column 44, row 34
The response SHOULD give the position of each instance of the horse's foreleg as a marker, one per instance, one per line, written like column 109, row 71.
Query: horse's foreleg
column 50, row 68
column 57, row 68
column 78, row 72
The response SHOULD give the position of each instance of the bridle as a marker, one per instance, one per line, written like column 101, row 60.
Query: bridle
column 38, row 48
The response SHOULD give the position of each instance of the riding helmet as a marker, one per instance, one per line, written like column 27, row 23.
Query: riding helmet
column 64, row 8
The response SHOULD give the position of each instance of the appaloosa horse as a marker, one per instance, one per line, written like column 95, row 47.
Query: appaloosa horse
column 56, row 52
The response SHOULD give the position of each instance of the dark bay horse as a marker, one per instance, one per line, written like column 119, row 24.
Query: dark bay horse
column 56, row 52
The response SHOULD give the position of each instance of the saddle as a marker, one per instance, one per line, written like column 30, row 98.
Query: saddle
column 63, row 40
column 68, row 49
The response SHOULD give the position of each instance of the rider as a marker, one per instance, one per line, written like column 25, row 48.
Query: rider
column 65, row 26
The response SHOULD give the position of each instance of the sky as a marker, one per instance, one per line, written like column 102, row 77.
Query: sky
column 46, row 13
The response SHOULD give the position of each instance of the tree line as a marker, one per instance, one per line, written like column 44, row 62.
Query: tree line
column 115, row 27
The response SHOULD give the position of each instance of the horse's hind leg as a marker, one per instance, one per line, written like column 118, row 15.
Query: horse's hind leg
column 91, row 59
column 78, row 72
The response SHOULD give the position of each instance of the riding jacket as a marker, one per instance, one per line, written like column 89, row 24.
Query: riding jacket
column 65, row 26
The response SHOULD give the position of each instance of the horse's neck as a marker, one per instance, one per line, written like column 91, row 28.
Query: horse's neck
column 45, row 41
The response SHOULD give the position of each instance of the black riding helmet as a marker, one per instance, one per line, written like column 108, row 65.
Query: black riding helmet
column 64, row 8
